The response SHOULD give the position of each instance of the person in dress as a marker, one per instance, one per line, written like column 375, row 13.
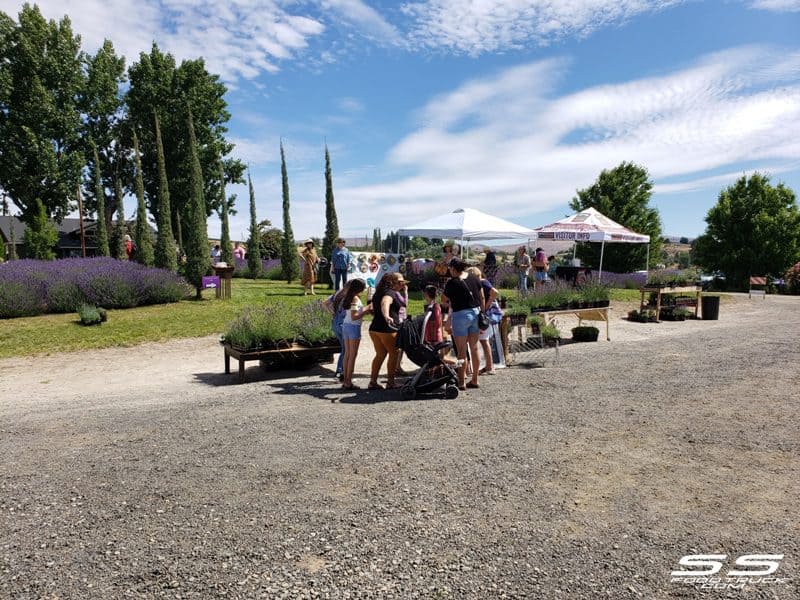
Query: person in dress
column 463, row 292
column 351, row 332
column 238, row 251
column 310, row 260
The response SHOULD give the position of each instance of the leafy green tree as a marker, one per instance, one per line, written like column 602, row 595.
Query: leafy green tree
column 289, row 260
column 622, row 194
column 253, row 255
column 198, row 260
column 101, row 231
column 331, row 220
column 102, row 106
column 41, row 154
column 225, row 236
column 270, row 240
column 40, row 237
column 165, row 255
column 754, row 229
column 142, row 236
column 155, row 80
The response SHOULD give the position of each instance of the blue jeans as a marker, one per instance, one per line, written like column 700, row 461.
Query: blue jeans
column 338, row 319
column 522, row 284
column 339, row 278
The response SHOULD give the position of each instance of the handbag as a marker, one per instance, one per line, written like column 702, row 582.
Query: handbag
column 483, row 320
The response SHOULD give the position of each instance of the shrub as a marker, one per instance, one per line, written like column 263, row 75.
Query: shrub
column 314, row 324
column 550, row 332
column 91, row 315
column 33, row 287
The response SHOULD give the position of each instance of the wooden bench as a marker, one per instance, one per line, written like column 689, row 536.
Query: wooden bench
column 290, row 355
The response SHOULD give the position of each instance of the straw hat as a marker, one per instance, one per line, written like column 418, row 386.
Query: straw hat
column 308, row 241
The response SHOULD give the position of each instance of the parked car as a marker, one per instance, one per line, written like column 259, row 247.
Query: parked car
column 713, row 280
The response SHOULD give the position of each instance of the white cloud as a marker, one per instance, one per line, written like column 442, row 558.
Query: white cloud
column 366, row 18
column 239, row 39
column 471, row 27
column 509, row 145
column 776, row 5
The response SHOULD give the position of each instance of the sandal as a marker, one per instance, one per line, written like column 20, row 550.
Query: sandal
column 374, row 386
column 352, row 386
column 463, row 388
column 473, row 386
column 492, row 372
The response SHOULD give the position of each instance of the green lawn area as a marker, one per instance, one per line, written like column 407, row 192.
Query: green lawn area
column 50, row 334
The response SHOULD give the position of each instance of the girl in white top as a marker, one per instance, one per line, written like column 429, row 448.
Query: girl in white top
column 351, row 333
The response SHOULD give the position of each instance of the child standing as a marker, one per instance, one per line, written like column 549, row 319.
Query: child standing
column 433, row 328
column 351, row 332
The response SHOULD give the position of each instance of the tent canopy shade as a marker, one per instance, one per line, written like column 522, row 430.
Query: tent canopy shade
column 590, row 225
column 468, row 224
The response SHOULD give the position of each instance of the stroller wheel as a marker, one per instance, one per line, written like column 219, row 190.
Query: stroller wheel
column 408, row 392
column 450, row 392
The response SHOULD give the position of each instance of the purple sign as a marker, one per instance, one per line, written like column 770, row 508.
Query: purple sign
column 210, row 282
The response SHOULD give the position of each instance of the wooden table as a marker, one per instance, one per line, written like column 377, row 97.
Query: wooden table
column 583, row 314
column 659, row 292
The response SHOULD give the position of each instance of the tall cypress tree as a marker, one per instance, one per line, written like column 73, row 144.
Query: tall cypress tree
column 101, row 231
column 253, row 246
column 331, row 221
column 141, row 237
column 198, row 259
column 165, row 255
column 12, row 241
column 289, row 260
column 225, row 236
column 121, row 228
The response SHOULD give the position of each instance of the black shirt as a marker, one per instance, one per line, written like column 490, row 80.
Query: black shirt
column 458, row 291
column 379, row 324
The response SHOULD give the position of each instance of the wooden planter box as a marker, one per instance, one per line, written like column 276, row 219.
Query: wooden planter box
column 290, row 356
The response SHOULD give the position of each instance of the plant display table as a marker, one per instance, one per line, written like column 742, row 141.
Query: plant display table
column 289, row 355
column 521, row 347
column 583, row 314
column 666, row 291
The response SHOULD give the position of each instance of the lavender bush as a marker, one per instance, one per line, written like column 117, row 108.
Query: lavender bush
column 33, row 287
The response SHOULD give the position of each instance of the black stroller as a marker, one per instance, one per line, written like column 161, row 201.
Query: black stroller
column 433, row 372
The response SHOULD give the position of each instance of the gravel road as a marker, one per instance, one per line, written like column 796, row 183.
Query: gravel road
column 148, row 473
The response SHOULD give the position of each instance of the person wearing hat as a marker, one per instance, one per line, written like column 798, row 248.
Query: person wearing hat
column 310, row 260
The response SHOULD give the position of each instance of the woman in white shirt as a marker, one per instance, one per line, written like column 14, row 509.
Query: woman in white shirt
column 351, row 331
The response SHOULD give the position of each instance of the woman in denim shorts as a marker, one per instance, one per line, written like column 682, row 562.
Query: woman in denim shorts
column 464, row 294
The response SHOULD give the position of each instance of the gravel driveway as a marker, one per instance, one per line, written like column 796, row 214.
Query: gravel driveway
column 147, row 473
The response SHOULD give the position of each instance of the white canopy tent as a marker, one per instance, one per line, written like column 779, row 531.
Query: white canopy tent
column 590, row 225
column 468, row 224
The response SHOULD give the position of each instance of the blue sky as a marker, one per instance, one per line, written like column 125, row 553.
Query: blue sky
column 506, row 106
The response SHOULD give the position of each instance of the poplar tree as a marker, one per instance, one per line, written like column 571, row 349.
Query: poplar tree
column 289, row 260
column 165, row 255
column 253, row 254
column 141, row 237
column 198, row 260
column 101, row 228
column 121, row 228
column 225, row 236
column 331, row 221
column 12, row 250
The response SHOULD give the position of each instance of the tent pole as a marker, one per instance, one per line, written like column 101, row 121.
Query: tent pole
column 602, row 248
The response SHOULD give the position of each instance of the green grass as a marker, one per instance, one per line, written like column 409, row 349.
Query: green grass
column 50, row 334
